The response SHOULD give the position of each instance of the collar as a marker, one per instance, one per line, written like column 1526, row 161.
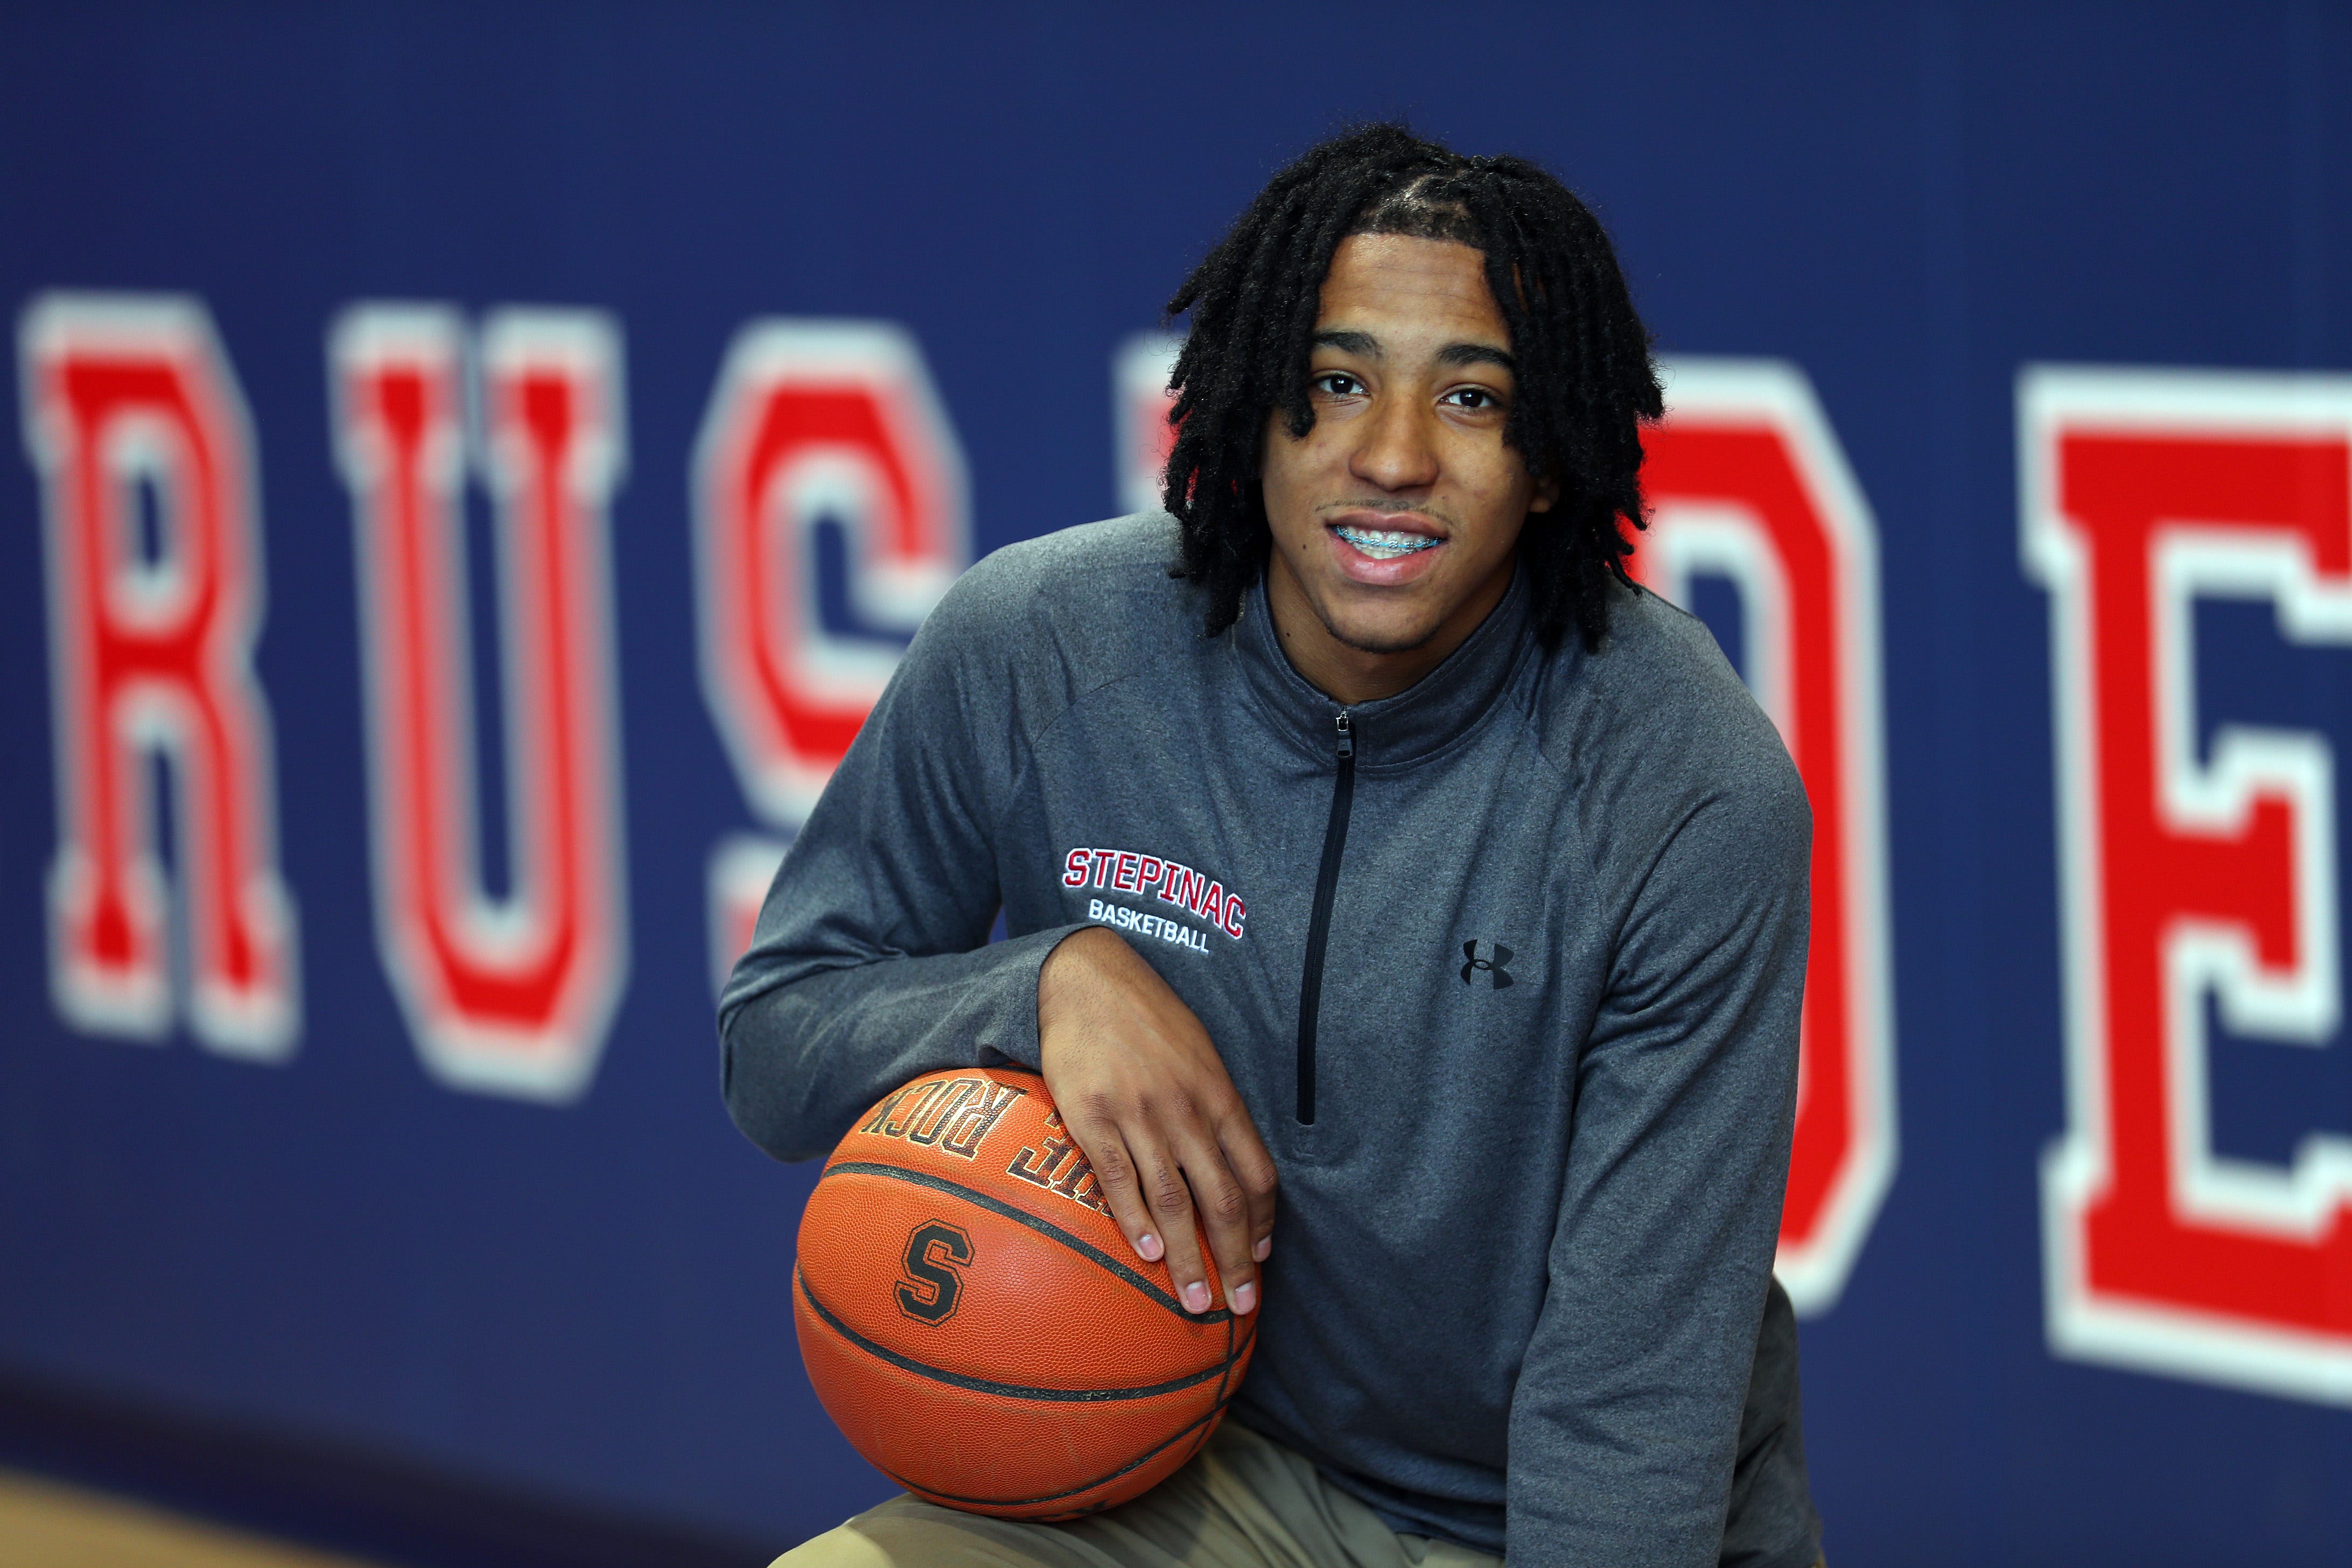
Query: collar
column 1398, row 731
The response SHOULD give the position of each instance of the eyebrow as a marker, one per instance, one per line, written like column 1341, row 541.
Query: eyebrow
column 1362, row 344
column 1476, row 353
column 1453, row 355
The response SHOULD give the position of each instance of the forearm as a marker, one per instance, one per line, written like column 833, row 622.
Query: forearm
column 871, row 963
column 1625, row 1421
column 1624, row 1453
column 808, row 1045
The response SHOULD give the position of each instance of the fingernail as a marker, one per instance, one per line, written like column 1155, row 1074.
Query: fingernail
column 1264, row 1245
column 1244, row 1297
column 1196, row 1296
column 1146, row 1247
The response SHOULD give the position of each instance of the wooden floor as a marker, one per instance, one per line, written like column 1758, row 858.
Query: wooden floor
column 46, row 1525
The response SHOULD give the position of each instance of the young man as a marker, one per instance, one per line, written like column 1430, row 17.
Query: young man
column 1480, row 887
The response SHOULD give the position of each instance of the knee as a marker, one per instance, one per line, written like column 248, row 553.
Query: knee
column 840, row 1547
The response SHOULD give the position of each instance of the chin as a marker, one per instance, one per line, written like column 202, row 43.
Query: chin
column 1372, row 636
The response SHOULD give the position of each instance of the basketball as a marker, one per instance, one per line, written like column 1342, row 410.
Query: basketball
column 977, row 1324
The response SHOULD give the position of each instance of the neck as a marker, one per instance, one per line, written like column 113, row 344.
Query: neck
column 1347, row 674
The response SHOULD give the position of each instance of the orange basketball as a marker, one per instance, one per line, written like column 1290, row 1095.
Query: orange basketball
column 980, row 1329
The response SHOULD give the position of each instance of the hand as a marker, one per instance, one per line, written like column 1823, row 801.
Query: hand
column 1149, row 1104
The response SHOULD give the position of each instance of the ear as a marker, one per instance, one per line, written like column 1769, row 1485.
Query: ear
column 1547, row 497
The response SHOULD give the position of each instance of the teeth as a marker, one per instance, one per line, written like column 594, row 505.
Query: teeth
column 1385, row 544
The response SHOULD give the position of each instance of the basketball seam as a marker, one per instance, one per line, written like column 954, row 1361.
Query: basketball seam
column 1045, row 1227
column 1225, row 1389
column 986, row 1386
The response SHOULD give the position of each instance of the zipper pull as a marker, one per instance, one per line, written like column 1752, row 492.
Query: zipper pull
column 1347, row 738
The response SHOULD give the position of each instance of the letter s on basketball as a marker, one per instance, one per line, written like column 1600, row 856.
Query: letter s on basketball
column 934, row 1252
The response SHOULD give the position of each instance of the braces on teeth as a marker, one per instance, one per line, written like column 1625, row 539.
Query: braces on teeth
column 1384, row 544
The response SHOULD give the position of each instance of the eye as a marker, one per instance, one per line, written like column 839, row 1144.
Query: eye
column 1337, row 384
column 1473, row 397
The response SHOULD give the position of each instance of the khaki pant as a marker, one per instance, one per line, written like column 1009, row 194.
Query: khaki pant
column 1244, row 1502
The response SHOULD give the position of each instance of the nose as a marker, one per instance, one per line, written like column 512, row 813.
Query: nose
column 1397, row 450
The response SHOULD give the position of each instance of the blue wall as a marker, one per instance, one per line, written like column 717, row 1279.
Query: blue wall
column 591, row 1300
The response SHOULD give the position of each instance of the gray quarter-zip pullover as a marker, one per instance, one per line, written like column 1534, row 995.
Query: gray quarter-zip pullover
column 1533, row 1125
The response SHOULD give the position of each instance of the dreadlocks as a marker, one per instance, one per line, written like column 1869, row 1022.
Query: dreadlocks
column 1585, row 377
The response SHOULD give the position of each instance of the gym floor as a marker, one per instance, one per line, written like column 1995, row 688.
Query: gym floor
column 46, row 1524
column 86, row 1479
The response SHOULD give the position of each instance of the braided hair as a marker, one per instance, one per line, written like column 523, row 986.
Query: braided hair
column 1585, row 377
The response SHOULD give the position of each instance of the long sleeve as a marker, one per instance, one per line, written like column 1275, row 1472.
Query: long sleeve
column 870, row 962
column 1626, row 1416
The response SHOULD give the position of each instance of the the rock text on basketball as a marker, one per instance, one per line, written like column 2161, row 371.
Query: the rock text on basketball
column 1058, row 1167
column 951, row 1115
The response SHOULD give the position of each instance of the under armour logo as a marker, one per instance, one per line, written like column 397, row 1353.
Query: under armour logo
column 1497, row 955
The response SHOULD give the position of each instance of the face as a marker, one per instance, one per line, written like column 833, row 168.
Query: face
column 1396, row 517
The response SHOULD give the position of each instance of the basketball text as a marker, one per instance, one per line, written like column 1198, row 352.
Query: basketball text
column 934, row 1252
column 949, row 1114
column 1059, row 1167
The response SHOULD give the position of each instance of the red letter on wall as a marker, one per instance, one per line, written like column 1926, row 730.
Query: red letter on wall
column 151, row 648
column 510, row 996
column 1140, row 403
column 812, row 420
column 1746, row 480
column 2187, row 875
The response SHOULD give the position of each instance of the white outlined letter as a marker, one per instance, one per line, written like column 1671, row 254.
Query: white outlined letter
column 510, row 996
column 1746, row 479
column 150, row 652
column 812, row 420
column 2187, row 877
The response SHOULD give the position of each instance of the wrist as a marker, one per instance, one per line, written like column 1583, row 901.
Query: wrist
column 1071, row 958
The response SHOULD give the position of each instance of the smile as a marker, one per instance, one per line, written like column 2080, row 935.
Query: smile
column 1385, row 544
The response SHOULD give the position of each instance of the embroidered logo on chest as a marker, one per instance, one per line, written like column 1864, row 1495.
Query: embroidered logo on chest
column 1494, row 963
column 1148, row 879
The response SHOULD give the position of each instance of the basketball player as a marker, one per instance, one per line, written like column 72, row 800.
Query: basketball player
column 1361, row 832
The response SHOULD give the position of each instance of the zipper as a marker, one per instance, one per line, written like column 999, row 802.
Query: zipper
column 1318, row 925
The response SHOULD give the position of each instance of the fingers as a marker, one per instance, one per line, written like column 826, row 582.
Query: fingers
column 1163, row 1202
column 1253, row 1167
column 1115, row 1179
column 1170, row 1199
column 1149, row 1102
column 1224, row 1205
